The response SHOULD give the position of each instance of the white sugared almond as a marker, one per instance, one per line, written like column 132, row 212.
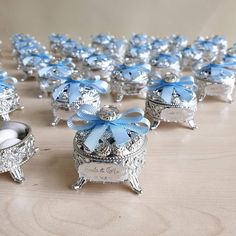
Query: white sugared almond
column 9, row 142
column 7, row 134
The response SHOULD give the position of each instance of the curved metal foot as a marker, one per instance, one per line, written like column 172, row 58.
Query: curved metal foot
column 119, row 97
column 229, row 98
column 79, row 183
column 24, row 78
column 43, row 94
column 5, row 117
column 155, row 124
column 17, row 175
column 134, row 184
column 201, row 97
column 55, row 121
column 20, row 107
column 191, row 124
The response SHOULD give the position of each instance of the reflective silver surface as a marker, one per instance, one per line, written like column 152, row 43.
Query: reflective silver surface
column 13, row 157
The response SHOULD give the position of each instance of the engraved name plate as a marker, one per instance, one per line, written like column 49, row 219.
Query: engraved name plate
column 177, row 114
column 101, row 172
column 217, row 89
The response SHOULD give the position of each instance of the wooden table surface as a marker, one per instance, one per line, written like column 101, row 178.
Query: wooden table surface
column 189, row 180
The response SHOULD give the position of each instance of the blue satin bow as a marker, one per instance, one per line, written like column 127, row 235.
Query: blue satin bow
column 75, row 85
column 4, row 85
column 182, row 87
column 220, row 72
column 35, row 59
column 131, row 120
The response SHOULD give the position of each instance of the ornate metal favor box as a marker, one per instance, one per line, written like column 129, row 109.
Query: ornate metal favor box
column 171, row 99
column 56, row 42
column 54, row 74
column 190, row 57
column 13, row 157
column 98, row 65
column 129, row 80
column 9, row 98
column 209, row 49
column 32, row 63
column 74, row 92
column 164, row 63
column 215, row 80
column 177, row 43
column 109, row 147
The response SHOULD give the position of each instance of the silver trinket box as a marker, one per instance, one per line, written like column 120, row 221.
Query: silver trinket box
column 140, row 40
column 54, row 74
column 208, row 49
column 56, row 42
column 98, row 65
column 222, row 45
column 109, row 147
column 215, row 80
column 129, row 80
column 165, row 63
column 177, row 43
column 74, row 92
column 190, row 57
column 9, row 98
column 171, row 99
column 137, row 54
column 12, row 157
column 100, row 41
column 159, row 46
column 32, row 63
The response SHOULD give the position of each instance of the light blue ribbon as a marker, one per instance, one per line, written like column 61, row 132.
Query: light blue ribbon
column 182, row 87
column 163, row 57
column 64, row 69
column 4, row 85
column 131, row 120
column 220, row 72
column 4, row 78
column 74, row 88
column 35, row 59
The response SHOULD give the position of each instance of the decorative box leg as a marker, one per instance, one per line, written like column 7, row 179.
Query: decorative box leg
column 55, row 121
column 119, row 97
column 43, row 94
column 201, row 97
column 155, row 124
column 5, row 117
column 17, row 175
column 191, row 124
column 229, row 98
column 143, row 94
column 79, row 183
column 24, row 78
column 19, row 107
column 134, row 183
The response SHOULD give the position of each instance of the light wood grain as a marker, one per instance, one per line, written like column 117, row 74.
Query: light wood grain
column 189, row 180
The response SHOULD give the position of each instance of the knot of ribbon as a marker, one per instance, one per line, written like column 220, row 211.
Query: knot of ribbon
column 131, row 120
column 74, row 87
column 184, row 88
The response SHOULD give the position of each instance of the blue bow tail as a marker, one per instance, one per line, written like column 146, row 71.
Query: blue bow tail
column 4, row 86
column 92, row 140
column 58, row 91
column 119, row 134
column 166, row 93
column 74, row 92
